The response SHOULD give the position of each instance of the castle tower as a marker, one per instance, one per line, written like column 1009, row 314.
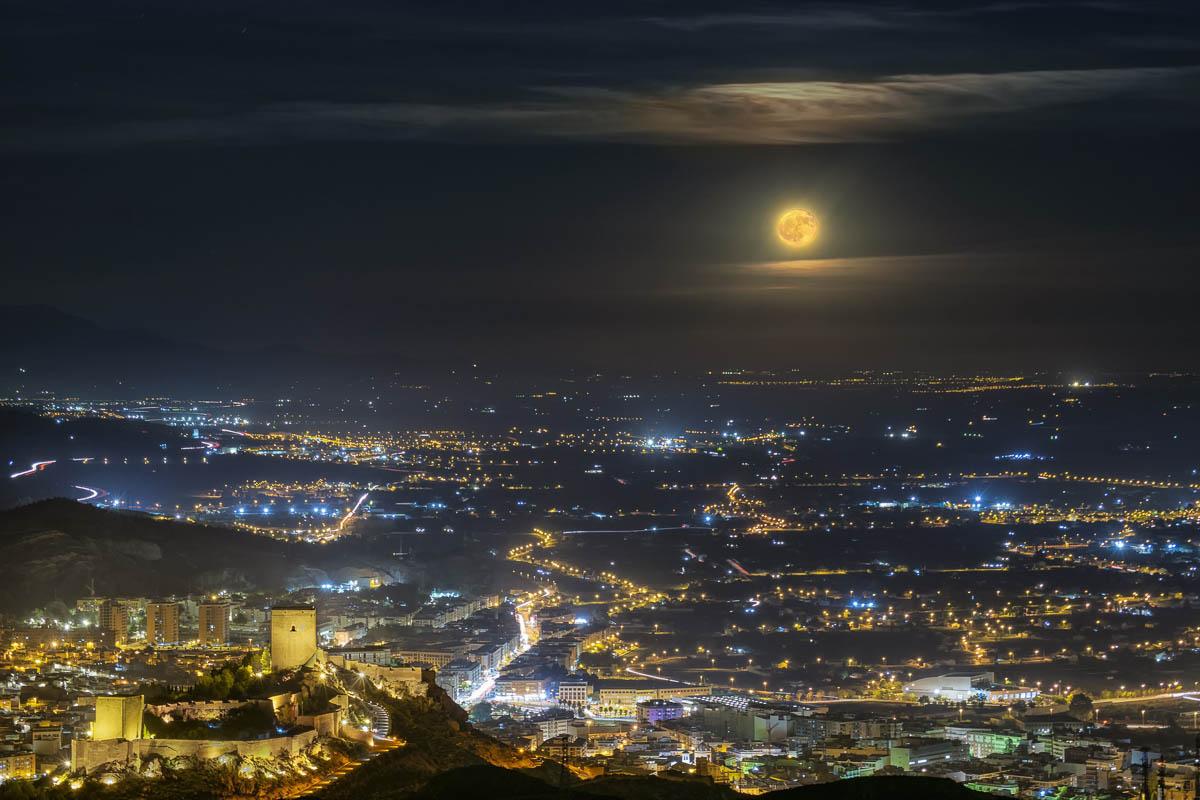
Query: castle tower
column 118, row 717
column 293, row 636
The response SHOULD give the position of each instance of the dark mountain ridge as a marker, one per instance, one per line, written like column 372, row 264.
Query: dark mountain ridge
column 63, row 550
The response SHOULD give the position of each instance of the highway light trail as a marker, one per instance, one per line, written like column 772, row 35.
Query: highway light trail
column 639, row 530
column 37, row 466
column 1108, row 701
column 734, row 563
column 641, row 674
column 94, row 493
column 353, row 511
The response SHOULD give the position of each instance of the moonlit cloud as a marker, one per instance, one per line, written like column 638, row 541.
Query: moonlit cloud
column 837, row 274
column 799, row 267
column 800, row 112
column 782, row 112
column 778, row 112
column 706, row 72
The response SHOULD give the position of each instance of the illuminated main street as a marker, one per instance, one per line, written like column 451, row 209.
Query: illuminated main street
column 625, row 594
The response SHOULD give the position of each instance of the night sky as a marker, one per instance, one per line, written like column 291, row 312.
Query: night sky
column 1001, row 185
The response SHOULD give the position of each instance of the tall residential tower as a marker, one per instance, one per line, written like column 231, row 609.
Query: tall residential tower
column 214, row 623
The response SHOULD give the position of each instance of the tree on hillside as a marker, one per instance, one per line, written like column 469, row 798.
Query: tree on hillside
column 481, row 712
column 1081, row 706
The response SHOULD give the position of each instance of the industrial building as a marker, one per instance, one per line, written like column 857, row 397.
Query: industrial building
column 967, row 687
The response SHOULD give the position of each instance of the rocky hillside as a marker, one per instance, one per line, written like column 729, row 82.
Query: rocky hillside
column 445, row 759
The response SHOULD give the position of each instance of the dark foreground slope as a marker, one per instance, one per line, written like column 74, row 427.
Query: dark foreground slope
column 445, row 759
column 883, row 788
column 62, row 550
column 496, row 783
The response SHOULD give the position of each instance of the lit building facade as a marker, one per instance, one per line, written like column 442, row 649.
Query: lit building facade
column 113, row 617
column 656, row 711
column 162, row 623
column 214, row 624
column 17, row 765
column 574, row 692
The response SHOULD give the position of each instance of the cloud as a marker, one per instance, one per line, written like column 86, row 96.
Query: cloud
column 815, row 19
column 867, row 17
column 822, row 276
column 814, row 111
column 778, row 112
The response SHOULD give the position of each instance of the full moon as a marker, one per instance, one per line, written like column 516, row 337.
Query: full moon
column 797, row 228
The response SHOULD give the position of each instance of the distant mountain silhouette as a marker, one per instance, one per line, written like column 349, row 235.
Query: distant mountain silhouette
column 44, row 348
column 32, row 327
column 60, row 550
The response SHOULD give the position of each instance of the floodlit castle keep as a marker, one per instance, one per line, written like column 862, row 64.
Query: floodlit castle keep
column 293, row 636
